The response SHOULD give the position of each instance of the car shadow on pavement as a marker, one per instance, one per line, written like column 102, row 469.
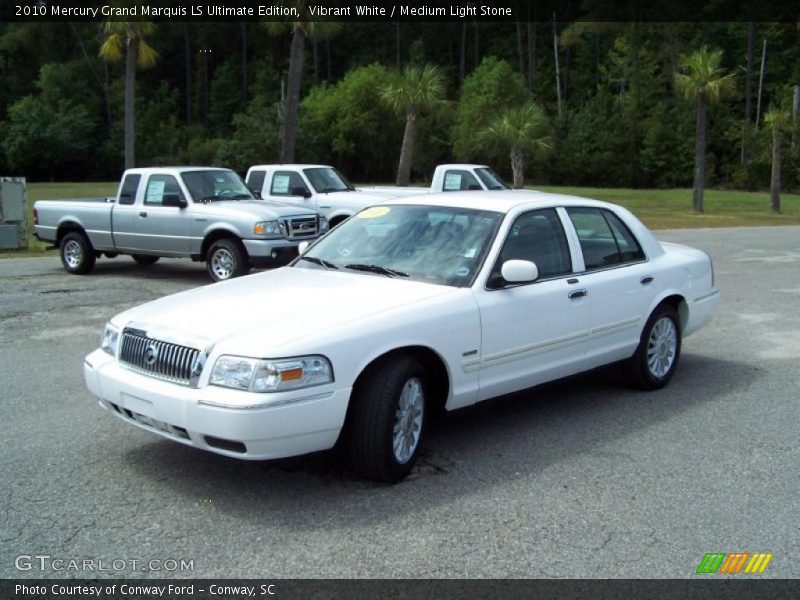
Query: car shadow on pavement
column 466, row 452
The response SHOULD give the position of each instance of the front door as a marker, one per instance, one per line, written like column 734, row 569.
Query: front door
column 159, row 228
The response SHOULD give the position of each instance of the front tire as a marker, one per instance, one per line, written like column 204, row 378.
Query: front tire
column 656, row 358
column 145, row 259
column 388, row 420
column 227, row 259
column 77, row 254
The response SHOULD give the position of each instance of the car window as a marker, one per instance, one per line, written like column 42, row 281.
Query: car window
column 537, row 236
column 255, row 180
column 605, row 240
column 127, row 195
column 158, row 186
column 286, row 183
column 490, row 179
column 456, row 181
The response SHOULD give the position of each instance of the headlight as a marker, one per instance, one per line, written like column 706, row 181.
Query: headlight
column 266, row 228
column 323, row 225
column 255, row 375
column 110, row 339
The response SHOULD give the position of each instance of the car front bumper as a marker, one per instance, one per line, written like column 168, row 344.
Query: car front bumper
column 298, row 422
column 266, row 253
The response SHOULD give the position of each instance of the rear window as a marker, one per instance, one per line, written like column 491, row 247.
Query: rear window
column 127, row 194
column 255, row 180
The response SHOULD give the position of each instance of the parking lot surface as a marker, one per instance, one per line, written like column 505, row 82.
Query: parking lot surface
column 582, row 478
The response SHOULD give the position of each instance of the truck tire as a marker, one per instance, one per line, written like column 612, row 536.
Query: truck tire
column 227, row 259
column 145, row 259
column 77, row 254
column 388, row 420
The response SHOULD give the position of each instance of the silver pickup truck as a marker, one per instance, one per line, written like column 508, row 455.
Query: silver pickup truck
column 202, row 213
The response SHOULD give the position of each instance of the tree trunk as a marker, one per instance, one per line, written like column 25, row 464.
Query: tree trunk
column 187, row 56
column 244, row 62
column 531, row 55
column 130, row 83
column 407, row 150
column 558, row 70
column 761, row 81
column 477, row 45
column 462, row 59
column 748, row 92
column 397, row 45
column 775, row 184
column 520, row 53
column 293, row 95
column 699, row 155
column 315, row 54
column 518, row 167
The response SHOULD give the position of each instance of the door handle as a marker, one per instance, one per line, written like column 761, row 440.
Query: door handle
column 577, row 294
column 646, row 280
column 143, row 214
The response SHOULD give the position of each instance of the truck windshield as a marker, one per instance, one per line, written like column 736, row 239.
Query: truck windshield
column 215, row 184
column 328, row 179
column 433, row 244
column 490, row 179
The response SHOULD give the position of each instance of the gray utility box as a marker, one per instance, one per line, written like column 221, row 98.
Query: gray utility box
column 13, row 216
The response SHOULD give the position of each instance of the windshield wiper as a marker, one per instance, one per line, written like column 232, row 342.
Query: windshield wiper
column 320, row 262
column 376, row 269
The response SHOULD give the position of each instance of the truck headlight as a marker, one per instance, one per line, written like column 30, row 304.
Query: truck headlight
column 266, row 228
column 255, row 375
column 110, row 339
column 323, row 225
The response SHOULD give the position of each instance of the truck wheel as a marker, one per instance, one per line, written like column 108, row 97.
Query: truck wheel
column 388, row 420
column 656, row 358
column 145, row 259
column 77, row 254
column 226, row 259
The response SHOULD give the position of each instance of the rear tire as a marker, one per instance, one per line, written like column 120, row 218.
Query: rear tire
column 227, row 259
column 77, row 254
column 387, row 422
column 145, row 259
column 656, row 358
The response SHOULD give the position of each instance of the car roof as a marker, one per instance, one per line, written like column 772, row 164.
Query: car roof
column 174, row 169
column 290, row 166
column 499, row 201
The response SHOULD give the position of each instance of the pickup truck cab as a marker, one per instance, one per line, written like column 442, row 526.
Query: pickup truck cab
column 317, row 187
column 206, row 214
column 323, row 188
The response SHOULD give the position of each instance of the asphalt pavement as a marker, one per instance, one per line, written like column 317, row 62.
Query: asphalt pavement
column 582, row 478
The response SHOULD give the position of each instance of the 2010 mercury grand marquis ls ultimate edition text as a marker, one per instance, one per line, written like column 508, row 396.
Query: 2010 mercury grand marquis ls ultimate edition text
column 408, row 307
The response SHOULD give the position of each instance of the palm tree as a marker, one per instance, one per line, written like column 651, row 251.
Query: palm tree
column 300, row 31
column 778, row 120
column 519, row 130
column 416, row 90
column 126, row 38
column 701, row 78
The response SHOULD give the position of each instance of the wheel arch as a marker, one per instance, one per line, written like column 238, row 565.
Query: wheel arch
column 216, row 235
column 678, row 302
column 68, row 226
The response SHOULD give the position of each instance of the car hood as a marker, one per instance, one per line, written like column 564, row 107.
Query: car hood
column 274, row 308
column 265, row 210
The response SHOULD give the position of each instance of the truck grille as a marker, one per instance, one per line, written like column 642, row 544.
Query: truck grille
column 299, row 228
column 162, row 360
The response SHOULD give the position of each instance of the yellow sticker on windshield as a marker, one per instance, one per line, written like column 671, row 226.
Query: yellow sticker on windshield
column 375, row 211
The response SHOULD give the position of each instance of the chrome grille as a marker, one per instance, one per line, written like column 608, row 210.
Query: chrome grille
column 155, row 358
column 299, row 228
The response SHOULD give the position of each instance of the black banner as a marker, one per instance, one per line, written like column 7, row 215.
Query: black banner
column 401, row 10
column 706, row 588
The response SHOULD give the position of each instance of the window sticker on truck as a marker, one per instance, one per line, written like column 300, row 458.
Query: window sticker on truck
column 280, row 184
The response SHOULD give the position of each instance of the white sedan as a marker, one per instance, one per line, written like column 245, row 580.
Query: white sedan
column 419, row 304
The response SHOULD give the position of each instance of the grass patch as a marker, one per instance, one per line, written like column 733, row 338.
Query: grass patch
column 659, row 209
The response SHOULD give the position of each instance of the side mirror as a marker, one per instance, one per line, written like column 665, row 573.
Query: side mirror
column 302, row 247
column 519, row 271
column 255, row 192
column 301, row 191
column 173, row 200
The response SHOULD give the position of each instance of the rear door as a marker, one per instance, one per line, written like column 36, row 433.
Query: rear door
column 619, row 281
column 125, row 213
column 163, row 229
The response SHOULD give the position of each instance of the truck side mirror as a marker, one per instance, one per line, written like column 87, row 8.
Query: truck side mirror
column 173, row 200
column 301, row 191
column 255, row 192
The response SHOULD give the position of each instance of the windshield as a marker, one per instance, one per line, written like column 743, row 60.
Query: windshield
column 433, row 244
column 490, row 179
column 210, row 185
column 327, row 179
